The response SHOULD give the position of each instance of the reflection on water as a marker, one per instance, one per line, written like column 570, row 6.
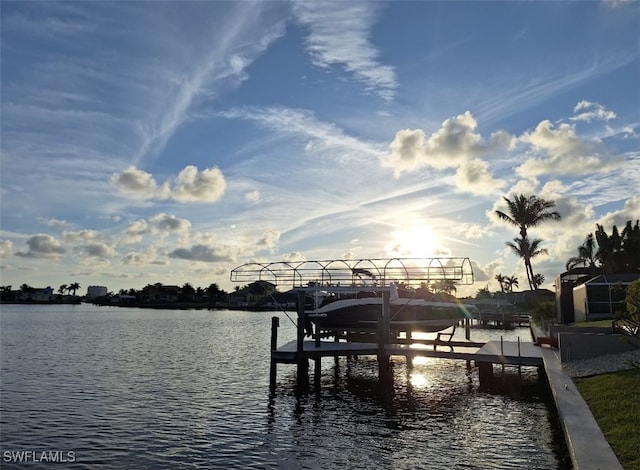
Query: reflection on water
column 165, row 389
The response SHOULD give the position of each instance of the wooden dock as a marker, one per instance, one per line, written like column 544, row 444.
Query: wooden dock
column 493, row 352
column 484, row 355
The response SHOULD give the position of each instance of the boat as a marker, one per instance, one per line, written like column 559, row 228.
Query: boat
column 361, row 312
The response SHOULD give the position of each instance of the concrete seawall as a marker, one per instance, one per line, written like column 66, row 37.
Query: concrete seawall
column 588, row 448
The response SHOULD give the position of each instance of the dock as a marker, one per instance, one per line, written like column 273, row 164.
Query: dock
column 494, row 352
column 484, row 355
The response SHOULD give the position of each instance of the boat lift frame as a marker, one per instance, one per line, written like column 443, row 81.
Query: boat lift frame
column 351, row 275
column 376, row 272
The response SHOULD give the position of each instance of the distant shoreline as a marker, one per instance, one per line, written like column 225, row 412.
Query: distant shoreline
column 153, row 306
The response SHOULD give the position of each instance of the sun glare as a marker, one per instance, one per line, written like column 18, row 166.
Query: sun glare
column 414, row 242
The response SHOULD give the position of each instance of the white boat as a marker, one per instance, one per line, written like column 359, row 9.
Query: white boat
column 363, row 311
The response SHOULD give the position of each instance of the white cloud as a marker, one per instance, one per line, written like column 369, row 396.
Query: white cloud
column 252, row 197
column 203, row 253
column 470, row 231
column 561, row 151
column 82, row 236
column 170, row 223
column 293, row 256
column 475, row 177
column 135, row 232
column 136, row 182
column 194, row 186
column 190, row 185
column 42, row 246
column 339, row 34
column 269, row 239
column 6, row 247
column 592, row 112
column 148, row 256
column 55, row 223
column 453, row 144
column 630, row 211
column 98, row 250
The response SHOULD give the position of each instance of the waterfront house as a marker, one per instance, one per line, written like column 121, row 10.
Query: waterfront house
column 96, row 291
column 38, row 295
column 252, row 295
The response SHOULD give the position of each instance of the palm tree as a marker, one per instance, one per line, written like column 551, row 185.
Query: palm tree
column 631, row 246
column 527, row 211
column 509, row 282
column 500, row 278
column 609, row 252
column 73, row 288
column 587, row 253
column 62, row 288
column 538, row 280
column 446, row 285
column 484, row 293
column 527, row 249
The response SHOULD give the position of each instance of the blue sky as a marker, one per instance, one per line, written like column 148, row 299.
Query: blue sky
column 146, row 142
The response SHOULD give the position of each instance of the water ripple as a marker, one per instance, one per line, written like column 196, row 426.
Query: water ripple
column 127, row 388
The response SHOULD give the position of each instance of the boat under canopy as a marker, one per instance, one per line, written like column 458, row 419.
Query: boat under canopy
column 406, row 314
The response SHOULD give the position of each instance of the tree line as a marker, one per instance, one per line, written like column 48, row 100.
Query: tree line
column 601, row 252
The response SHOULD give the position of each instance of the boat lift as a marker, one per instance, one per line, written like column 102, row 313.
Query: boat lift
column 379, row 275
column 352, row 273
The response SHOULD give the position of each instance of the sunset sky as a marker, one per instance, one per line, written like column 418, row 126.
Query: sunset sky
column 146, row 142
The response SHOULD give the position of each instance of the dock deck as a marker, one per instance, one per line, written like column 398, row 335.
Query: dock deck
column 495, row 352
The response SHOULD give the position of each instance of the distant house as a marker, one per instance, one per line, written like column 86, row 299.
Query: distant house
column 96, row 291
column 124, row 299
column 38, row 295
column 253, row 295
column 162, row 294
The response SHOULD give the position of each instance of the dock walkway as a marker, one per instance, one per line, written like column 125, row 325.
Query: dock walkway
column 494, row 352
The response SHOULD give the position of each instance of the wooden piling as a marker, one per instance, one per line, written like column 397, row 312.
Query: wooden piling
column 384, row 332
column 485, row 372
column 275, row 323
column 303, row 364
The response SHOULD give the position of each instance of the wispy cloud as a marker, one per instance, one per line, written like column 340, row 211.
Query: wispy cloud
column 339, row 35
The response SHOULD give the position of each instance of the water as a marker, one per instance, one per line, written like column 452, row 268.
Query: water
column 128, row 388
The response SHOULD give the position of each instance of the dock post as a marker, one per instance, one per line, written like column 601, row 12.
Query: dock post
column 467, row 335
column 303, row 364
column 384, row 326
column 275, row 323
column 485, row 372
column 317, row 372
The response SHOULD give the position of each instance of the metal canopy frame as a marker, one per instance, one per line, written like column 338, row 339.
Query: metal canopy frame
column 380, row 272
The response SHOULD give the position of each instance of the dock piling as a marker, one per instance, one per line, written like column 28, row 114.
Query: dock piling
column 303, row 364
column 275, row 323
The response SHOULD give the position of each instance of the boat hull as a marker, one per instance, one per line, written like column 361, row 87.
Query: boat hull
column 406, row 315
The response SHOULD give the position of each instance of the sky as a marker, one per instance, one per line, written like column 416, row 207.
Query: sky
column 146, row 142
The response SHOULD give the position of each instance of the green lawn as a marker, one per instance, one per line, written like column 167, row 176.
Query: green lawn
column 614, row 400
column 593, row 324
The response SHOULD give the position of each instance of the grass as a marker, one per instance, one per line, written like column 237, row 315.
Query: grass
column 614, row 400
column 593, row 324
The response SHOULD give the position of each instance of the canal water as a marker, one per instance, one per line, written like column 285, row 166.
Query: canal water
column 111, row 388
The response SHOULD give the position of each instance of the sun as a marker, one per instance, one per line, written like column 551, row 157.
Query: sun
column 413, row 242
